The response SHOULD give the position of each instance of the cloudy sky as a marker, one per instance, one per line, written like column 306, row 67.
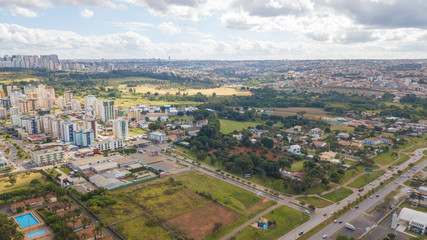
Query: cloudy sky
column 215, row 29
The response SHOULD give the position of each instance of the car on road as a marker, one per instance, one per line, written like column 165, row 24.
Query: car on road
column 332, row 213
column 325, row 236
column 371, row 196
column 301, row 233
column 306, row 211
column 357, row 207
column 325, row 215
column 340, row 221
column 335, row 221
column 377, row 195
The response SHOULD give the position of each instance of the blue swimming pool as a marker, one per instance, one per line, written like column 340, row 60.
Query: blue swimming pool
column 34, row 234
column 26, row 220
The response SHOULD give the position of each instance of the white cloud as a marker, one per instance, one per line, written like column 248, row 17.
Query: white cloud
column 52, row 3
column 169, row 28
column 21, row 40
column 23, row 12
column 133, row 26
column 86, row 13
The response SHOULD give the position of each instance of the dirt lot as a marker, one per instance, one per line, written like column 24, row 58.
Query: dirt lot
column 199, row 223
column 247, row 151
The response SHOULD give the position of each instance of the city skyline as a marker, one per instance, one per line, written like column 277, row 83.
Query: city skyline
column 228, row 30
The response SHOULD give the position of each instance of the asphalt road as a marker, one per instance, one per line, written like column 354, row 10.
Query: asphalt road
column 369, row 203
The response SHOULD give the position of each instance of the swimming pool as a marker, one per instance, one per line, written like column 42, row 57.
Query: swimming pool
column 34, row 234
column 26, row 220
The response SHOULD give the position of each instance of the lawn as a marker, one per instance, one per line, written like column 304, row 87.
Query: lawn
column 298, row 166
column 235, row 198
column 136, row 228
column 319, row 189
column 412, row 149
column 366, row 178
column 342, row 128
column 228, row 126
column 384, row 158
column 403, row 158
column 136, row 131
column 350, row 173
column 22, row 182
column 315, row 201
column 286, row 219
column 338, row 194
column 66, row 170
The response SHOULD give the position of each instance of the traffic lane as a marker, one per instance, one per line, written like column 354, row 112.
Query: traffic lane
column 365, row 205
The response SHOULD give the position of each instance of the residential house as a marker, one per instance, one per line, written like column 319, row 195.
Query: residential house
column 318, row 144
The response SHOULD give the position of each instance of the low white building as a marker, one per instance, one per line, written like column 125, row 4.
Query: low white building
column 109, row 144
column 295, row 149
column 413, row 220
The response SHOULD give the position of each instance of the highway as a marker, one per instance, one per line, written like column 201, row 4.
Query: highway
column 367, row 204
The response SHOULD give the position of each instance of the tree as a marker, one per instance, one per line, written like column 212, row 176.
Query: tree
column 312, row 207
column 217, row 227
column 8, row 228
column 12, row 179
column 267, row 142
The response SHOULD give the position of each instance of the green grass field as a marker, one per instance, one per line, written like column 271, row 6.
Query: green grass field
column 228, row 126
column 342, row 128
column 384, row 158
column 319, row 189
column 235, row 198
column 22, row 182
column 286, row 219
column 335, row 196
column 297, row 166
column 136, row 228
column 136, row 131
column 350, row 173
column 403, row 158
column 366, row 178
column 315, row 201
column 66, row 170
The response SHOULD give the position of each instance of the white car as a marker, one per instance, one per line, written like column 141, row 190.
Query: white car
column 325, row 236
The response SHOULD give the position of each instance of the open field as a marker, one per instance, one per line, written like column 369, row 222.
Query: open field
column 384, row 158
column 240, row 200
column 136, row 228
column 403, row 158
column 351, row 173
column 207, row 217
column 342, row 128
column 164, row 90
column 315, row 201
column 338, row 194
column 286, row 219
column 319, row 188
column 228, row 126
column 185, row 204
column 136, row 131
column 366, row 178
column 22, row 182
column 297, row 166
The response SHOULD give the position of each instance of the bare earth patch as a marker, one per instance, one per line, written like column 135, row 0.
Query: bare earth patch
column 199, row 223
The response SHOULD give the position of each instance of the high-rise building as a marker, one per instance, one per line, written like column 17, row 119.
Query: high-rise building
column 3, row 113
column 121, row 128
column 31, row 125
column 68, row 96
column 84, row 138
column 14, row 111
column 106, row 110
column 92, row 124
column 90, row 102
column 67, row 131
column 76, row 105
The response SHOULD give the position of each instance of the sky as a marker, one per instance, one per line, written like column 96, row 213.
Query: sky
column 215, row 29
